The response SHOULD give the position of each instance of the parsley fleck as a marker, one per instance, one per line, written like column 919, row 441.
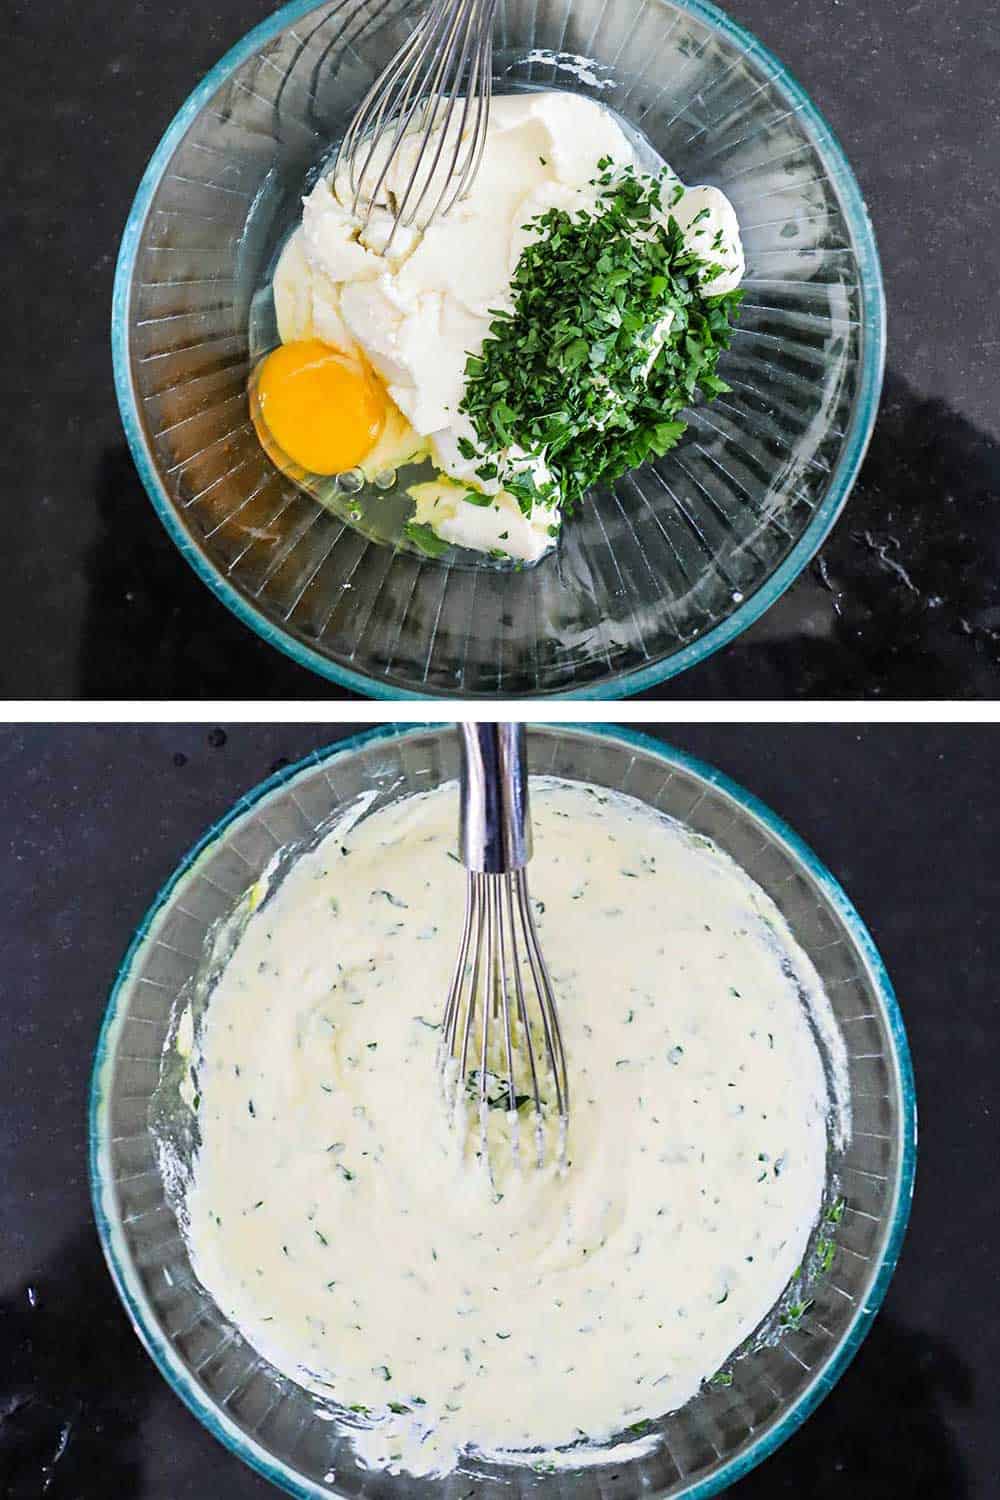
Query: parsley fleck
column 425, row 538
column 795, row 1312
column 392, row 900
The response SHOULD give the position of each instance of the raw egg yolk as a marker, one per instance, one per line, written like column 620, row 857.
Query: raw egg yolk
column 322, row 409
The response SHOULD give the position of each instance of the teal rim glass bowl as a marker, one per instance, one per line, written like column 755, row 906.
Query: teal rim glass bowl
column 651, row 576
column 276, row 1426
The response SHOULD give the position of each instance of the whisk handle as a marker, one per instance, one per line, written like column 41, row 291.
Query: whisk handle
column 494, row 828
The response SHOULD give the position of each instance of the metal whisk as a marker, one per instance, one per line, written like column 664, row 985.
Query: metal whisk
column 419, row 91
column 501, row 1042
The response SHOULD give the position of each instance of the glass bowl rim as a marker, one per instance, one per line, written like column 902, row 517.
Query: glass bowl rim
column 123, row 1272
column 618, row 685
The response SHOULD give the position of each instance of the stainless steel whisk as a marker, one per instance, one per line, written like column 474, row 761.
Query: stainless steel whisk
column 451, row 47
column 501, row 1008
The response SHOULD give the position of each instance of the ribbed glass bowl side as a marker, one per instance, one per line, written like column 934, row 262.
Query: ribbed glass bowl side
column 651, row 576
column 273, row 1424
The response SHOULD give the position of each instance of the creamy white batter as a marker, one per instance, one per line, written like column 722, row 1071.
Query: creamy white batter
column 333, row 1220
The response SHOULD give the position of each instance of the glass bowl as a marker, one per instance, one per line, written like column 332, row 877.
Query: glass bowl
column 651, row 576
column 286, row 1433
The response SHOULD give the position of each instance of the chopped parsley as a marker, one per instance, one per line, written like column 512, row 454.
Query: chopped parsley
column 613, row 332
column 795, row 1312
column 392, row 900
column 425, row 538
column 825, row 1252
column 497, row 1091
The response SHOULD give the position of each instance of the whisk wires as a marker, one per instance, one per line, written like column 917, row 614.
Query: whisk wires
column 501, row 1044
column 435, row 91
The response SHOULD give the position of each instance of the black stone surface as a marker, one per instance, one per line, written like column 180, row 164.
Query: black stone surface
column 95, row 820
column 904, row 600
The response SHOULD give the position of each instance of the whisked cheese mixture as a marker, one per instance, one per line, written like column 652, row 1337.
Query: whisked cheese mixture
column 331, row 1215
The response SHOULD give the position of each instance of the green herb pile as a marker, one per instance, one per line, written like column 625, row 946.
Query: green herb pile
column 566, row 375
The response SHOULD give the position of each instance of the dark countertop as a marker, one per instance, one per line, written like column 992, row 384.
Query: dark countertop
column 94, row 822
column 905, row 598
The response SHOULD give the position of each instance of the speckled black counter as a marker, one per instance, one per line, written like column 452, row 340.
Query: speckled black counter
column 95, row 820
column 904, row 600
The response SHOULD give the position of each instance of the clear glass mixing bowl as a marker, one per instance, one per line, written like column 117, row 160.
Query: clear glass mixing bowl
column 653, row 575
column 275, row 1425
